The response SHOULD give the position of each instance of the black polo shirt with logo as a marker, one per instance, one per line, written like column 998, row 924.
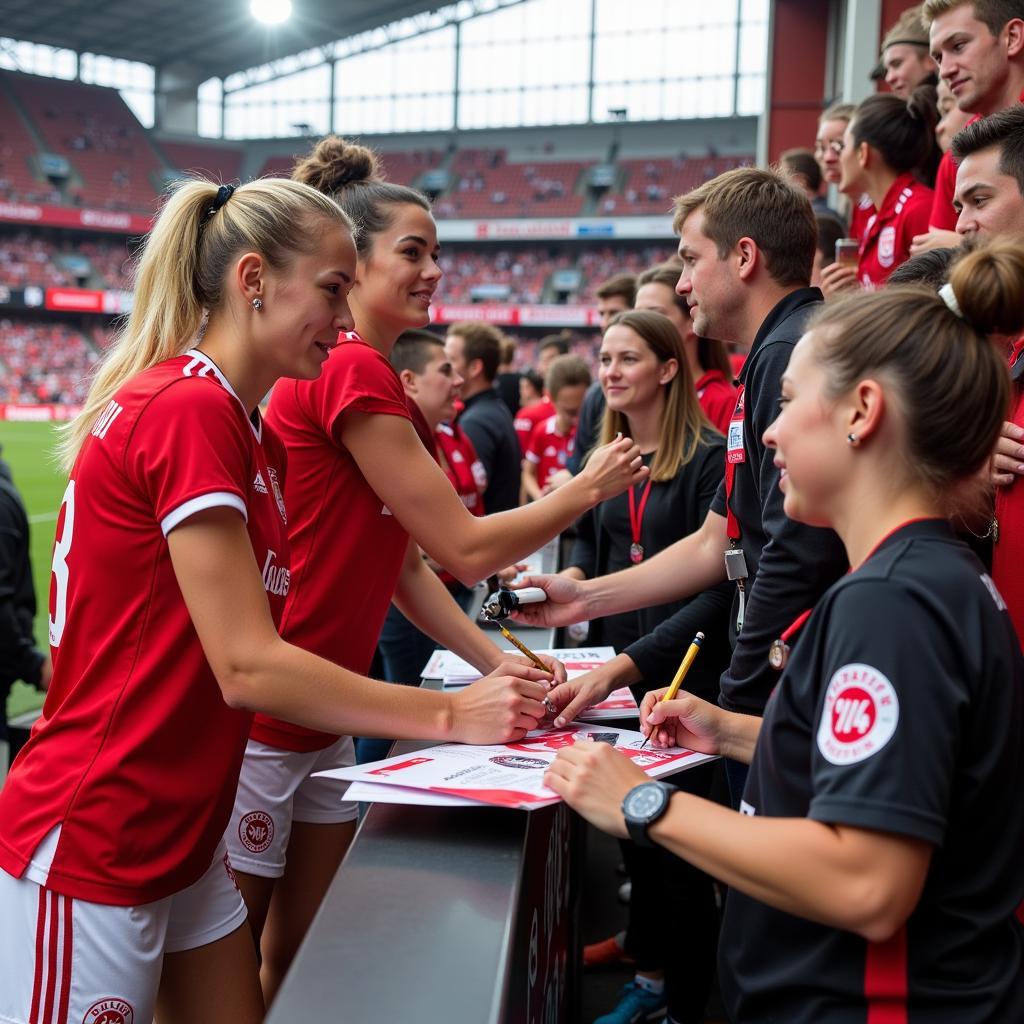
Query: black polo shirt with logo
column 901, row 711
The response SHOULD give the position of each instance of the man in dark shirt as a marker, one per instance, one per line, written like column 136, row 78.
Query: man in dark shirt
column 474, row 350
column 19, row 656
column 747, row 241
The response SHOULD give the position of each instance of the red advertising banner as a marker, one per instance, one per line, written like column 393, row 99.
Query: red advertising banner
column 516, row 316
column 74, row 300
column 74, row 217
column 15, row 412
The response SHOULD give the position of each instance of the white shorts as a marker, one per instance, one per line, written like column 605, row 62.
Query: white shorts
column 65, row 960
column 276, row 788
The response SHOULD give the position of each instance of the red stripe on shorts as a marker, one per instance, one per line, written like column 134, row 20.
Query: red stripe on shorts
column 51, row 960
column 65, row 977
column 37, row 983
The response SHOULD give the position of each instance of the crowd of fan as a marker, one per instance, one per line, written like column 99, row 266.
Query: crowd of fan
column 46, row 362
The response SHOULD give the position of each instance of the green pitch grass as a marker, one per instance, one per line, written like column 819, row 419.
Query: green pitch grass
column 28, row 447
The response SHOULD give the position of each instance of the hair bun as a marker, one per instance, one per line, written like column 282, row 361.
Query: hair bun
column 336, row 164
column 989, row 286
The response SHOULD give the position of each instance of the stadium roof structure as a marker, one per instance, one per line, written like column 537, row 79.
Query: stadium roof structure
column 215, row 38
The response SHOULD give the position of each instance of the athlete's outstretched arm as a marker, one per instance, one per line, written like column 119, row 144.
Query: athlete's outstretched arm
column 681, row 570
column 415, row 489
column 861, row 880
column 220, row 581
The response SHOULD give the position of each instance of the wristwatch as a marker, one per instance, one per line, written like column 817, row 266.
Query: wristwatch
column 642, row 806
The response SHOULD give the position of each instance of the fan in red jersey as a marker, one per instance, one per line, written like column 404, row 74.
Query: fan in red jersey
column 364, row 497
column 552, row 440
column 171, row 570
column 885, row 144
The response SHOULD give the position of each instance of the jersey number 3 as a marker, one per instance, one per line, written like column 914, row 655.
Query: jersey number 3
column 61, row 548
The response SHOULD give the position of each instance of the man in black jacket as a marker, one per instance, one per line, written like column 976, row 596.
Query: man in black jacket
column 19, row 656
column 474, row 350
column 747, row 241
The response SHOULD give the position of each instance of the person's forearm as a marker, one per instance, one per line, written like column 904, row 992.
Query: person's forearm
column 796, row 865
column 424, row 600
column 681, row 570
column 286, row 682
column 737, row 739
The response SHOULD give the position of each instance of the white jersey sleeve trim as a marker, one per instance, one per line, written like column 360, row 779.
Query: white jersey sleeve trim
column 215, row 499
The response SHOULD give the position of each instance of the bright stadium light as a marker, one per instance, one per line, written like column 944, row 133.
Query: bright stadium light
column 271, row 12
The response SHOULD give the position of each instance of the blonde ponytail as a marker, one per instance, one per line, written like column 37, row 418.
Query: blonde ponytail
column 181, row 272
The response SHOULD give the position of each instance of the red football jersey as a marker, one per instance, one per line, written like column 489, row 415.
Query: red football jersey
column 347, row 547
column 863, row 210
column 549, row 450
column 462, row 467
column 943, row 215
column 1007, row 550
column 464, row 470
column 717, row 397
column 136, row 755
column 886, row 243
column 526, row 421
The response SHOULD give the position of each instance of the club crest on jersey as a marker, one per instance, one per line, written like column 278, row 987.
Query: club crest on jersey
column 860, row 715
column 110, row 1010
column 256, row 831
column 887, row 246
column 278, row 496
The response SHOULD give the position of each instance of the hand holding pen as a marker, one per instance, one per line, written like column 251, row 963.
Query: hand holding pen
column 666, row 695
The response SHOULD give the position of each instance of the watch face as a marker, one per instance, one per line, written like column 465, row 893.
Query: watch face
column 645, row 800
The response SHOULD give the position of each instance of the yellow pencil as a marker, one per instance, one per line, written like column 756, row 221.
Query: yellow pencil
column 512, row 639
column 677, row 681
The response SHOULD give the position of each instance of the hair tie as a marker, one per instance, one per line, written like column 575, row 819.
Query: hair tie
column 224, row 193
column 948, row 296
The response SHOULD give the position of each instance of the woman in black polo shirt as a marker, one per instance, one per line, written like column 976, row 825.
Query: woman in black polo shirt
column 876, row 867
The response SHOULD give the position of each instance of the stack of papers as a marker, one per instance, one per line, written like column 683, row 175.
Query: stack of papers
column 577, row 660
column 504, row 775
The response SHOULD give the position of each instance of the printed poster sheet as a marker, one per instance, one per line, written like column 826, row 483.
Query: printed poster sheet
column 577, row 660
column 504, row 775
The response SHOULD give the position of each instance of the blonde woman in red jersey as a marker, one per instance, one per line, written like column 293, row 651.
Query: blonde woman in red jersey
column 368, row 497
column 170, row 573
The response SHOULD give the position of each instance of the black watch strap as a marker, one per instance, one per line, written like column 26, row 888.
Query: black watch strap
column 642, row 806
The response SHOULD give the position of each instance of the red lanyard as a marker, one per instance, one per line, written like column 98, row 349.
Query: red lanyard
column 636, row 520
column 734, row 454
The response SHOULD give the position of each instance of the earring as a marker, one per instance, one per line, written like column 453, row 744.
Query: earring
column 853, row 440
column 257, row 303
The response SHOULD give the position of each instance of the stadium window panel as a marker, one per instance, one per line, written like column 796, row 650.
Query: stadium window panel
column 37, row 59
column 751, row 94
column 277, row 108
column 525, row 65
column 210, row 123
column 405, row 86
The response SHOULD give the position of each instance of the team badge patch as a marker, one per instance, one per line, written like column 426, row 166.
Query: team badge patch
column 109, row 1011
column 887, row 246
column 860, row 715
column 256, row 831
column 278, row 496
